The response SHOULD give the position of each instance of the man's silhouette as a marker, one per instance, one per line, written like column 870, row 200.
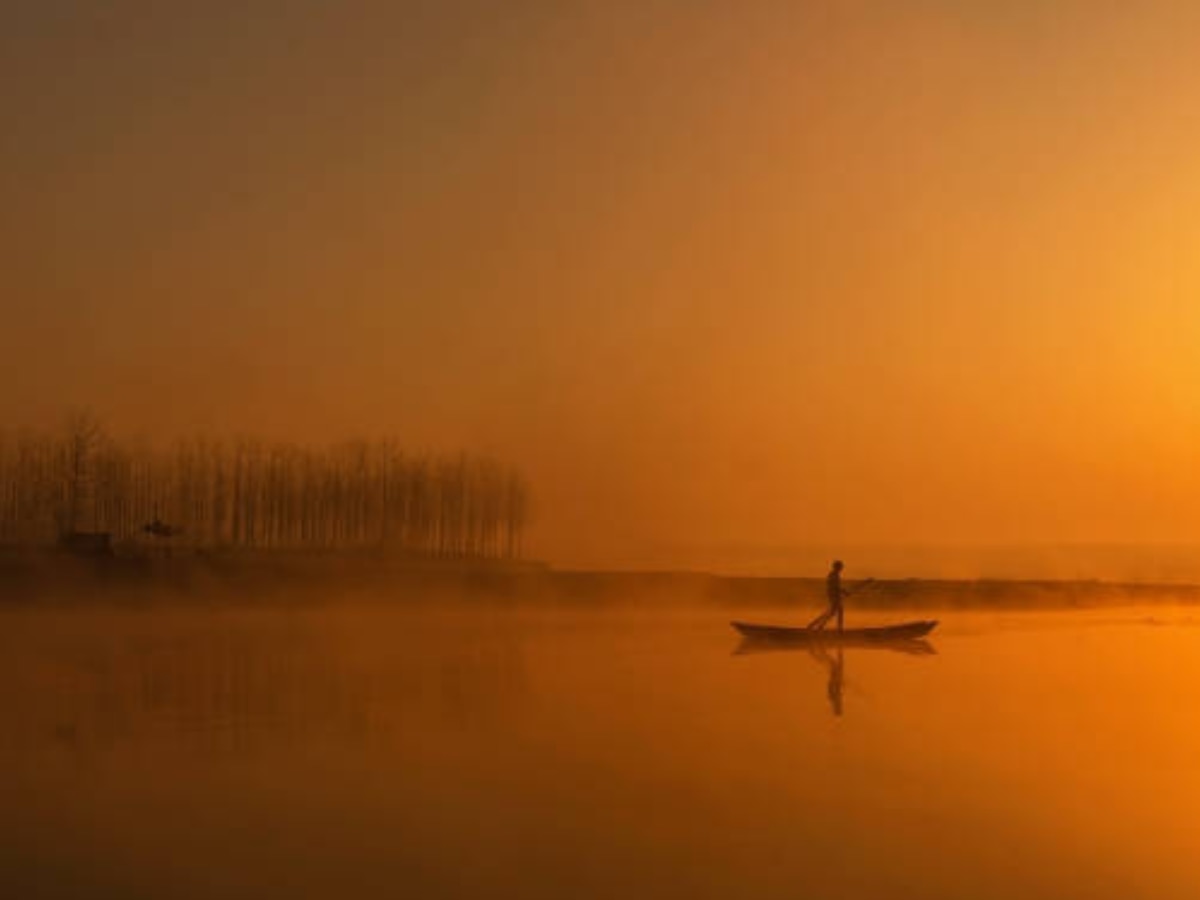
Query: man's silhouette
column 834, row 593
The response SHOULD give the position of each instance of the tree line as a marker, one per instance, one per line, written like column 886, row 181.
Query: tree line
column 250, row 494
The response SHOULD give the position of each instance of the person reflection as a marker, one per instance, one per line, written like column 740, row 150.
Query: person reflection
column 836, row 664
column 836, row 677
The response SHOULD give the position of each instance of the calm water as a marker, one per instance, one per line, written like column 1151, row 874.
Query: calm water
column 521, row 754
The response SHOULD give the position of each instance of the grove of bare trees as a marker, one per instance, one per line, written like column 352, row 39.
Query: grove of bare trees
column 248, row 494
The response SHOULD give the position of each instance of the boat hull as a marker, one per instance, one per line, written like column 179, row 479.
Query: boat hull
column 888, row 634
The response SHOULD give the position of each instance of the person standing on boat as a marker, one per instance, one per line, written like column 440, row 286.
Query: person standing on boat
column 835, row 594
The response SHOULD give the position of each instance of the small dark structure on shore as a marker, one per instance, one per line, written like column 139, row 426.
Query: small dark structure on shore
column 86, row 543
column 161, row 529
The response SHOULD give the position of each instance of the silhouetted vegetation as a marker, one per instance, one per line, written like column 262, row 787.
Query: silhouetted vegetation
column 247, row 494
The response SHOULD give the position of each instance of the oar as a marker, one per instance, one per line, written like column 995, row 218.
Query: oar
column 860, row 586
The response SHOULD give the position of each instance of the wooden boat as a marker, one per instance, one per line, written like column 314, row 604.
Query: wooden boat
column 887, row 634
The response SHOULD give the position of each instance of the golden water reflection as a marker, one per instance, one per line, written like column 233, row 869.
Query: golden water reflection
column 548, row 754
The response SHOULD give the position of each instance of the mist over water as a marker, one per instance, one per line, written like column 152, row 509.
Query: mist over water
column 550, row 751
column 1131, row 562
column 404, row 397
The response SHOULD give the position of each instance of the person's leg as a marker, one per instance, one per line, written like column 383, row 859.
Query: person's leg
column 840, row 612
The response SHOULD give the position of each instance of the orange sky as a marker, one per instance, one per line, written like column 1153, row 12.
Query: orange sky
column 710, row 272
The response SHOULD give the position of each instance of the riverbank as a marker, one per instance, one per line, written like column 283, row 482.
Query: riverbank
column 280, row 576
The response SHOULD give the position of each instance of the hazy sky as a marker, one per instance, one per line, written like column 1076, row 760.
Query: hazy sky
column 709, row 271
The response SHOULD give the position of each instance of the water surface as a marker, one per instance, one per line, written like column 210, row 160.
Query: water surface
column 522, row 753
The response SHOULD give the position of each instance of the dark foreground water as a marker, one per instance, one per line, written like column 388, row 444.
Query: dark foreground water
column 375, row 753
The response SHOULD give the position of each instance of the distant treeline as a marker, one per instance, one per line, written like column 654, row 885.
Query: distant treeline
column 250, row 494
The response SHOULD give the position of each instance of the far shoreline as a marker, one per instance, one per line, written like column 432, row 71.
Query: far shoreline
column 280, row 576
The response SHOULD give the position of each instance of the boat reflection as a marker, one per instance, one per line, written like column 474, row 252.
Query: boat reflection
column 911, row 646
column 830, row 653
